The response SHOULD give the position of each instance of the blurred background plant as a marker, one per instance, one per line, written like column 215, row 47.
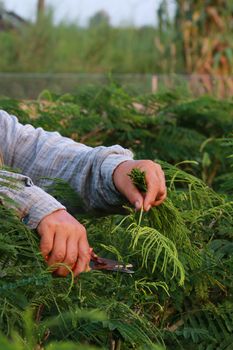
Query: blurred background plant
column 195, row 39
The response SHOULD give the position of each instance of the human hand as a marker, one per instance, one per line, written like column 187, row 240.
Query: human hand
column 64, row 240
column 155, row 179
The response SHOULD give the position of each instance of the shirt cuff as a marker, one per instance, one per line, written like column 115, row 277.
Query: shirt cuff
column 34, row 204
column 112, row 195
column 30, row 202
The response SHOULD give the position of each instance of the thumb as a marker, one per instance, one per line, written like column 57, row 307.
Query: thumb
column 134, row 196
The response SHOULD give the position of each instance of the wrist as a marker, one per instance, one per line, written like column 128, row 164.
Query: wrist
column 48, row 216
column 122, row 169
column 112, row 196
column 39, row 205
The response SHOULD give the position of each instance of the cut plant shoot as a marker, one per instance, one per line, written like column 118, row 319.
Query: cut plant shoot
column 138, row 178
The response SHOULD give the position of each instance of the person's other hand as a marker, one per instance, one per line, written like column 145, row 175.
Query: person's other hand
column 155, row 180
column 64, row 240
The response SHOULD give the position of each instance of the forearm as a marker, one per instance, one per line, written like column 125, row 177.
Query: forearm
column 88, row 171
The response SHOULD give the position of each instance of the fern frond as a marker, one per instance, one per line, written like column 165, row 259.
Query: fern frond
column 152, row 245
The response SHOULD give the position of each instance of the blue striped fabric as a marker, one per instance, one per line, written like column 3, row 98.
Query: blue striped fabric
column 42, row 156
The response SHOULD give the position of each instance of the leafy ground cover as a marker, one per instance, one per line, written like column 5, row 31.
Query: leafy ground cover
column 180, row 296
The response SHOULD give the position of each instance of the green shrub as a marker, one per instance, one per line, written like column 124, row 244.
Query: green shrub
column 180, row 296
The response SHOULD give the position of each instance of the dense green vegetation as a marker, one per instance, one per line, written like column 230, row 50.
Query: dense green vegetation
column 180, row 296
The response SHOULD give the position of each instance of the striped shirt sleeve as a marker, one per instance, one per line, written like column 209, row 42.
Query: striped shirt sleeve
column 43, row 156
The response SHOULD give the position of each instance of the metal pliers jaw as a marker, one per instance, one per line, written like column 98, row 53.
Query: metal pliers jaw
column 98, row 263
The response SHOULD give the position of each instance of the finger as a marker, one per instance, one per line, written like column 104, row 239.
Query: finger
column 161, row 175
column 59, row 248
column 84, row 256
column 156, row 187
column 71, row 256
column 152, row 189
column 160, row 200
column 133, row 195
column 46, row 242
column 162, row 182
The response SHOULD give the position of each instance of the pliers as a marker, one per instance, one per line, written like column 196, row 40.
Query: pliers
column 98, row 263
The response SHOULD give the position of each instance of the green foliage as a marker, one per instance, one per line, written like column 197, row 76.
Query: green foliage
column 180, row 296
